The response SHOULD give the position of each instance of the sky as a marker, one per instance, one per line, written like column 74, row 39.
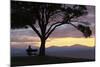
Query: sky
column 64, row 35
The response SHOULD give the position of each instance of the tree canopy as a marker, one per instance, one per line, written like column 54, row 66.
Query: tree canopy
column 28, row 13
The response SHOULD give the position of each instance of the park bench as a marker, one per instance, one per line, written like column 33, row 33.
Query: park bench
column 31, row 51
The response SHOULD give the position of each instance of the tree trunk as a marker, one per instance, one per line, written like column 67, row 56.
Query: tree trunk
column 42, row 47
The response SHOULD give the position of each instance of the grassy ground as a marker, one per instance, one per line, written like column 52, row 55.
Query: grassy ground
column 39, row 60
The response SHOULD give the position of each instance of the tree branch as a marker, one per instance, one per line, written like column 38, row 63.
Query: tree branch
column 41, row 21
column 75, row 26
column 36, row 31
column 55, row 12
column 50, row 31
column 52, row 26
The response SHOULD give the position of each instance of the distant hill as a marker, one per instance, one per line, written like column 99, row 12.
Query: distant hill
column 75, row 51
column 74, row 47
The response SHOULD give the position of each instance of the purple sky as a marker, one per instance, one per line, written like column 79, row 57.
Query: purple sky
column 62, row 31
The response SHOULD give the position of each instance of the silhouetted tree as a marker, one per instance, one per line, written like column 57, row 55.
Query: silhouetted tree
column 42, row 15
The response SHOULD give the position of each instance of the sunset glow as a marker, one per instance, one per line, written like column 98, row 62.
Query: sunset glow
column 89, row 42
column 72, row 41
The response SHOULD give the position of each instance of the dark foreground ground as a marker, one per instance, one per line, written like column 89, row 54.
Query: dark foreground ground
column 39, row 60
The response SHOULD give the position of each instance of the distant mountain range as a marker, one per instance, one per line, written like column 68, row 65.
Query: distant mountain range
column 76, row 46
column 75, row 51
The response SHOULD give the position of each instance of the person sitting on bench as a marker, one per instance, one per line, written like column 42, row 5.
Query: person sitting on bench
column 30, row 50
